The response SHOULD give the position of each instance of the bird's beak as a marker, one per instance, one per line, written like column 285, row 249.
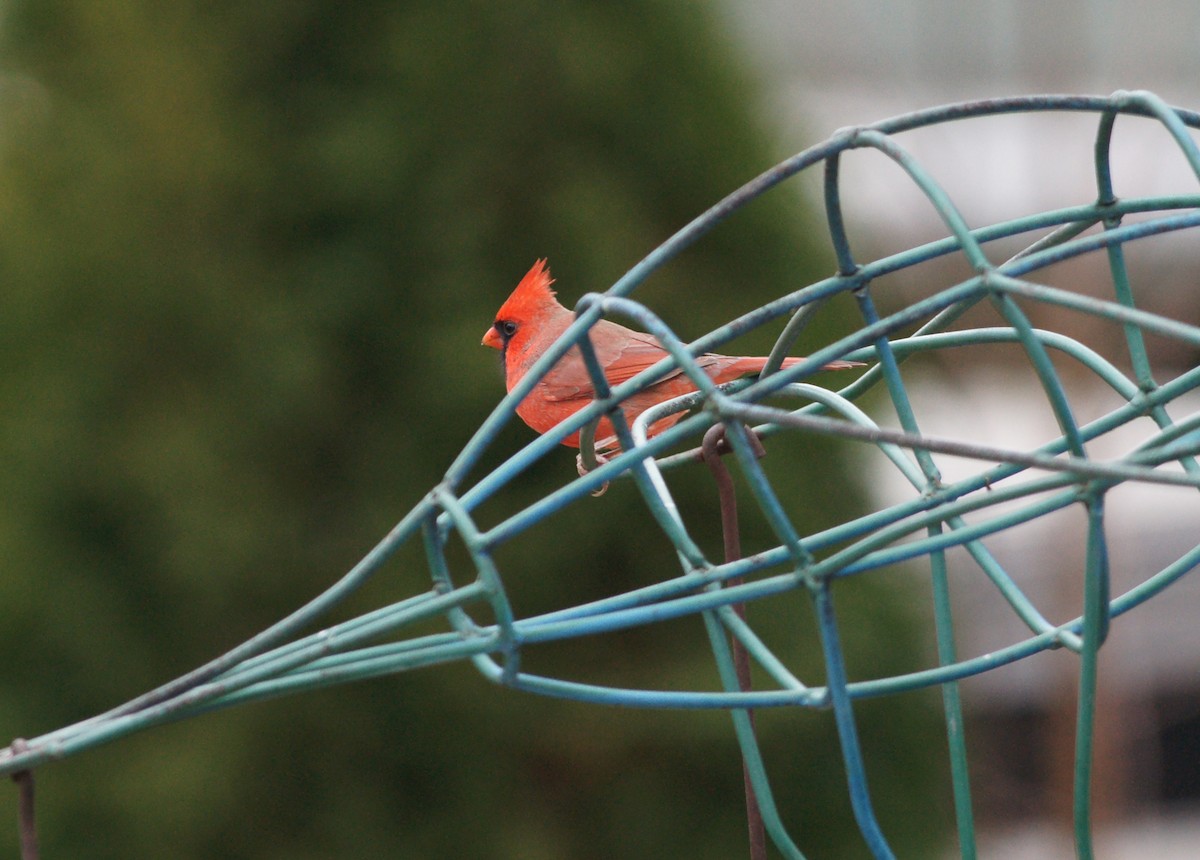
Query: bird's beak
column 492, row 338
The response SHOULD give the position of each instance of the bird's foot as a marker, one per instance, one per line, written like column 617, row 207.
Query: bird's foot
column 582, row 468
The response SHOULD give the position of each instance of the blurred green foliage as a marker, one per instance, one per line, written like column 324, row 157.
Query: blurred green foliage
column 247, row 251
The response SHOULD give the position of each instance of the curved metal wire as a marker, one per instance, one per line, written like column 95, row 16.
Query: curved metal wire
column 1011, row 486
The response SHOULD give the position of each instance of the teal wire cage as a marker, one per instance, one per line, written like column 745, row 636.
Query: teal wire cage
column 1003, row 274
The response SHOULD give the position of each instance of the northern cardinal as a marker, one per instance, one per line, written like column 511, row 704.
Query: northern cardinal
column 532, row 319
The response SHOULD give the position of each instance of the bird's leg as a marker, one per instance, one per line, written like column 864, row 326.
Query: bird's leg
column 582, row 468
column 601, row 453
column 601, row 459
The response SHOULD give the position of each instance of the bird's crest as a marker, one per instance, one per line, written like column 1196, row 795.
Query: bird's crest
column 532, row 293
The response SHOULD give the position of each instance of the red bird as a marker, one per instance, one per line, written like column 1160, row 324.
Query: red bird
column 532, row 319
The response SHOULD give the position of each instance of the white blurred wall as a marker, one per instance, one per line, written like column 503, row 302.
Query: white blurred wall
column 835, row 63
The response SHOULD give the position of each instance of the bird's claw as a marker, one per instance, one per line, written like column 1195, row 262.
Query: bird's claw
column 601, row 459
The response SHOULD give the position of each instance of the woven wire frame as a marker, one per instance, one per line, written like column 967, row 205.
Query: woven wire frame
column 1010, row 486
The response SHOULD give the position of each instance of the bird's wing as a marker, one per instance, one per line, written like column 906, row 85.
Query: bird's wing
column 622, row 352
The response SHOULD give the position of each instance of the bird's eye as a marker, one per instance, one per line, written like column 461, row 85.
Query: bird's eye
column 507, row 328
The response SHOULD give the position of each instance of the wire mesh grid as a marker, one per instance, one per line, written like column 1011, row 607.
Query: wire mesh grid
column 1007, row 487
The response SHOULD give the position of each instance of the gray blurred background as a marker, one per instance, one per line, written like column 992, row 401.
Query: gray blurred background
column 829, row 65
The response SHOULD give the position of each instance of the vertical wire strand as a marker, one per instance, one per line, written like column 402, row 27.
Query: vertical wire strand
column 952, row 703
column 1095, row 630
column 843, row 713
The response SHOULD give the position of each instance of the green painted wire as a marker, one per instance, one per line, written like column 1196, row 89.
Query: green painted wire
column 283, row 659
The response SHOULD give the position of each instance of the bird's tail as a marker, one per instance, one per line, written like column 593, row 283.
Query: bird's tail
column 749, row 365
column 833, row 365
